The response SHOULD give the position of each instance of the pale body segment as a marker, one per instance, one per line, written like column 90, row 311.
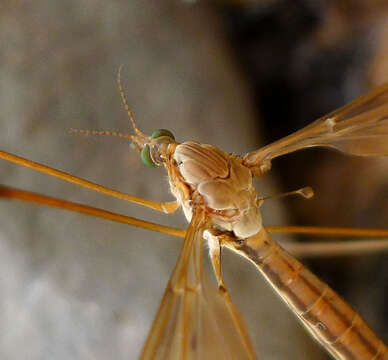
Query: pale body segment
column 223, row 183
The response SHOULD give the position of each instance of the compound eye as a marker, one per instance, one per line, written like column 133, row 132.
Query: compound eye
column 146, row 157
column 162, row 132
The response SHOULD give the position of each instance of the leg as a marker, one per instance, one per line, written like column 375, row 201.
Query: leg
column 11, row 193
column 215, row 257
column 166, row 207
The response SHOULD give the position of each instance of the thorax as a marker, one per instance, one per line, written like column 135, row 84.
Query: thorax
column 201, row 172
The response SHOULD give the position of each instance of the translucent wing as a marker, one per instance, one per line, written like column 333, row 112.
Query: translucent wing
column 359, row 128
column 195, row 320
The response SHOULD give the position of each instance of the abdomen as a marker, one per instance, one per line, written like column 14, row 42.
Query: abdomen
column 323, row 312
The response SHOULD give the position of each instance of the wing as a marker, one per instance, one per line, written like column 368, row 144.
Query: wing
column 359, row 128
column 195, row 320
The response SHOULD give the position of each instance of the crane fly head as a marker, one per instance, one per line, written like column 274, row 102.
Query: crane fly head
column 153, row 152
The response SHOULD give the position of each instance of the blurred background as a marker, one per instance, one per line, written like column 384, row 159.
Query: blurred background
column 236, row 74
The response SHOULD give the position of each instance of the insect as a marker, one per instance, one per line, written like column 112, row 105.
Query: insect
column 196, row 320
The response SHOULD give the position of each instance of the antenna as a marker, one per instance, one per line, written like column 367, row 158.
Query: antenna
column 101, row 132
column 124, row 99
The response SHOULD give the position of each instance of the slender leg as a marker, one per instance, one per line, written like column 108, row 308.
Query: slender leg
column 215, row 257
column 166, row 207
column 11, row 193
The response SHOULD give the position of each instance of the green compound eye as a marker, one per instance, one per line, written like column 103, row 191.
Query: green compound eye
column 145, row 152
column 162, row 132
column 146, row 157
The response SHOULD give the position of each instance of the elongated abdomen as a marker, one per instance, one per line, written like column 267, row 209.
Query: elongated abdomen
column 323, row 312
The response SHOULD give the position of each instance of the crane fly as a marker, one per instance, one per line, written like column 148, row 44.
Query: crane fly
column 197, row 320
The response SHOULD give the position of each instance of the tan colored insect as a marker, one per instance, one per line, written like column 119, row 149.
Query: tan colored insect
column 196, row 320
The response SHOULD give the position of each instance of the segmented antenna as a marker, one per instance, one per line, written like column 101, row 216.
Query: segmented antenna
column 124, row 99
column 100, row 132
